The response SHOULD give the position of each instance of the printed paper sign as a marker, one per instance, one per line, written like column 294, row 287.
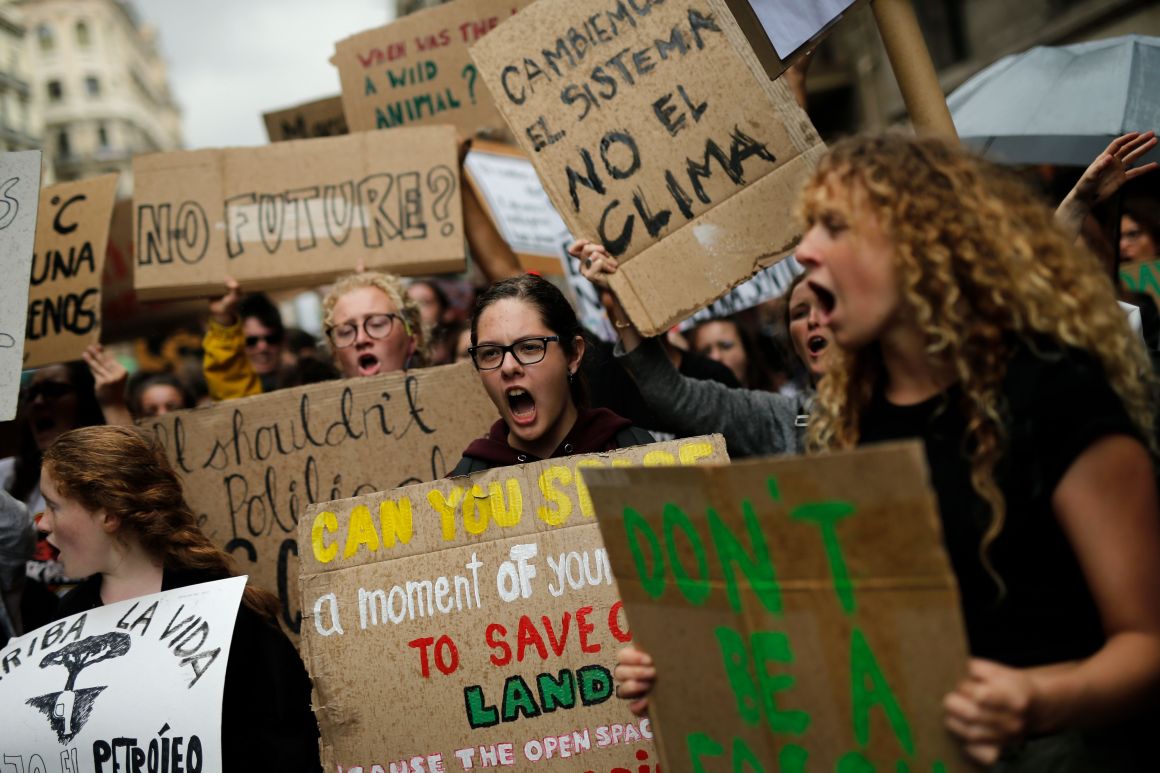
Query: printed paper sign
column 801, row 613
column 19, row 197
column 320, row 118
column 252, row 466
column 64, row 299
column 416, row 70
column 74, row 699
column 514, row 197
column 297, row 213
column 791, row 23
column 476, row 617
column 655, row 132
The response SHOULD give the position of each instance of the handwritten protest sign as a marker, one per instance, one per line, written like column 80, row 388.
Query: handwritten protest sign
column 250, row 467
column 320, row 118
column 416, row 70
column 797, row 609
column 488, row 609
column 64, row 300
column 19, row 197
column 650, row 122
column 1142, row 277
column 297, row 213
column 123, row 314
column 74, row 700
column 511, row 193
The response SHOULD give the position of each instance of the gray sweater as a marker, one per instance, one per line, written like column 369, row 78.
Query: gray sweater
column 753, row 423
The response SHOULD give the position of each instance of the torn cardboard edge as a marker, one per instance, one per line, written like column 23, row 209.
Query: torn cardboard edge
column 684, row 255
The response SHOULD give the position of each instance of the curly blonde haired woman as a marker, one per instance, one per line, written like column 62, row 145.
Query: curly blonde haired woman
column 373, row 326
column 965, row 319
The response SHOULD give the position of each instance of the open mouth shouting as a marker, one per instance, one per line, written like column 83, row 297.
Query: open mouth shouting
column 368, row 364
column 522, row 405
column 816, row 344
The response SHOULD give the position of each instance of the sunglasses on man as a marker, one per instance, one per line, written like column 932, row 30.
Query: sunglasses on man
column 271, row 339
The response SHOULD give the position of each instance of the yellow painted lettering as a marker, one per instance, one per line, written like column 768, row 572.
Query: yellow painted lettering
column 659, row 459
column 623, row 463
column 360, row 531
column 396, row 521
column 554, row 496
column 445, row 505
column 512, row 512
column 325, row 521
column 691, row 452
column 582, row 495
column 476, row 500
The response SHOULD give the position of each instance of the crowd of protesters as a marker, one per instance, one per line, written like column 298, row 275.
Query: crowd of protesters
column 941, row 299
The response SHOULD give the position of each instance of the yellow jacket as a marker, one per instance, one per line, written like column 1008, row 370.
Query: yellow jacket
column 228, row 372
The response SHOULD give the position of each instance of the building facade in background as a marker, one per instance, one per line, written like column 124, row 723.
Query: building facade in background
column 101, row 84
column 21, row 124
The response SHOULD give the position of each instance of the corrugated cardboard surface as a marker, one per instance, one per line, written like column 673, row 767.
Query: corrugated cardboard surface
column 904, row 607
column 64, row 299
column 297, row 213
column 19, row 199
column 645, row 121
column 251, row 467
column 320, row 118
column 373, row 703
column 416, row 70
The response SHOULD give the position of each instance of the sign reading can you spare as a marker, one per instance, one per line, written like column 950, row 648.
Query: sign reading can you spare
column 74, row 701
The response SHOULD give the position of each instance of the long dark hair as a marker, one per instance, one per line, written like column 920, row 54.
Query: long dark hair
column 124, row 471
column 554, row 310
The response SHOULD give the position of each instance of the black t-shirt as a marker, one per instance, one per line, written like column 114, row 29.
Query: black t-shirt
column 1055, row 403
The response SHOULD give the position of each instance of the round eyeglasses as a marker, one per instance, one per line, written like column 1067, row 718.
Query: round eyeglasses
column 376, row 326
column 527, row 351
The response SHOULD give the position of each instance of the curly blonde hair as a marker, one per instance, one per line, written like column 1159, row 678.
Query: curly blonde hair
column 397, row 293
column 978, row 259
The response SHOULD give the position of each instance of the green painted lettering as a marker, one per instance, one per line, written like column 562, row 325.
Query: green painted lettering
column 694, row 589
column 701, row 745
column 773, row 647
column 869, row 688
column 479, row 714
column 758, row 569
column 652, row 580
column 517, row 699
column 826, row 516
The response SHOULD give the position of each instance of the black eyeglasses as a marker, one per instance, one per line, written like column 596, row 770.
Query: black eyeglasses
column 376, row 326
column 271, row 339
column 527, row 351
column 49, row 390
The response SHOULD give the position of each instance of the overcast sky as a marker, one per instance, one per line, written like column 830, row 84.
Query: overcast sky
column 232, row 60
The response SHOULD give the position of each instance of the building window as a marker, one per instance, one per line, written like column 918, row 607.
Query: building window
column 45, row 36
column 83, row 34
column 92, row 86
column 55, row 91
column 63, row 149
column 102, row 136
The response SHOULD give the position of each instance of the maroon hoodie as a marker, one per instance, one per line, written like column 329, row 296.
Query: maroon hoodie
column 595, row 430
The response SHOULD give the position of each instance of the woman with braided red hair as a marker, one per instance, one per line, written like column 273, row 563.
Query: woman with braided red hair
column 115, row 509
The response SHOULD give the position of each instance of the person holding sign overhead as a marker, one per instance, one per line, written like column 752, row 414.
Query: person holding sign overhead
column 117, row 513
column 527, row 344
column 964, row 318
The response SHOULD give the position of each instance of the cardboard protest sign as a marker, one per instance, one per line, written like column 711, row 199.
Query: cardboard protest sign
column 297, row 213
column 801, row 608
column 416, row 70
column 767, row 284
column 509, row 189
column 64, row 300
column 73, row 697
column 488, row 610
column 123, row 315
column 251, row 467
column 655, row 132
column 320, row 118
column 19, row 197
column 1142, row 277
